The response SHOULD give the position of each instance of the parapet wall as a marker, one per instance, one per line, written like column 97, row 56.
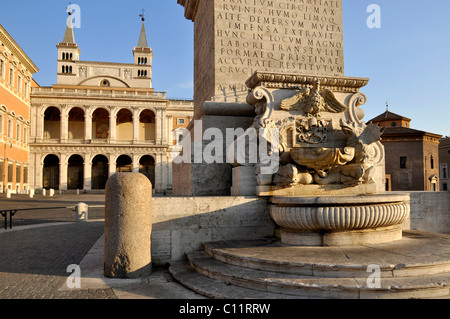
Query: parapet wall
column 181, row 224
column 430, row 212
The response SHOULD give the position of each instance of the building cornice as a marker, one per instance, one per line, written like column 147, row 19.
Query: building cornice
column 99, row 148
column 290, row 81
column 119, row 94
column 9, row 41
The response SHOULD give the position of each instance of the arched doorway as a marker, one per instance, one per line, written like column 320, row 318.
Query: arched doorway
column 100, row 124
column 100, row 168
column 147, row 167
column 124, row 125
column 52, row 123
column 50, row 174
column 124, row 164
column 76, row 124
column 75, row 172
column 147, row 127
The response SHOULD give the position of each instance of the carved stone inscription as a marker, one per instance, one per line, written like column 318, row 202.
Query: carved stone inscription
column 286, row 36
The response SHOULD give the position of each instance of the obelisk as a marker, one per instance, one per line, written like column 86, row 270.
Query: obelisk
column 233, row 39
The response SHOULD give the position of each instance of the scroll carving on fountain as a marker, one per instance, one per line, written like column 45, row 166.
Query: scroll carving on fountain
column 329, row 186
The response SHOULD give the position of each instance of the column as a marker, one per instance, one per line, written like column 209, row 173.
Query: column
column 112, row 165
column 164, row 126
column 39, row 116
column 63, row 172
column 164, row 172
column 135, row 159
column 169, row 171
column 64, row 124
column 135, row 125
column 112, row 126
column 87, row 172
column 87, row 124
column 170, row 136
column 158, row 125
column 38, row 170
column 158, row 173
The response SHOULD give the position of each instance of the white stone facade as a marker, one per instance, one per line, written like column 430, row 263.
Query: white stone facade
column 102, row 118
column 129, row 139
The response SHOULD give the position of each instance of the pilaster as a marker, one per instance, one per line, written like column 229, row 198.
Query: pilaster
column 87, row 171
column 158, row 126
column 64, row 124
column 112, row 127
column 87, row 124
column 63, row 172
column 135, row 125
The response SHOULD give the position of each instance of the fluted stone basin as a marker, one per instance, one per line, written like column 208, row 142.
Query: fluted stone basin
column 340, row 220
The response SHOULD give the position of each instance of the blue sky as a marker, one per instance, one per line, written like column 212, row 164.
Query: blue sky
column 406, row 60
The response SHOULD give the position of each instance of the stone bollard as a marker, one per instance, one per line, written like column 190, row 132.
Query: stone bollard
column 51, row 192
column 44, row 192
column 31, row 193
column 128, row 226
column 81, row 212
column 8, row 193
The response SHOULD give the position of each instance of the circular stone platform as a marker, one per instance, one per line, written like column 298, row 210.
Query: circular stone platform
column 418, row 266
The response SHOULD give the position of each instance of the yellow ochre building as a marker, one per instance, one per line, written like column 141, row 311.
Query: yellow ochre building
column 16, row 81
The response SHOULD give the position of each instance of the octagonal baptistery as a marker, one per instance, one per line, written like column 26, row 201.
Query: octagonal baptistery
column 340, row 220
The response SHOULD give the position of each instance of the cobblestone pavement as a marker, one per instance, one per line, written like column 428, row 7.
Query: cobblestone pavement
column 34, row 261
column 36, row 252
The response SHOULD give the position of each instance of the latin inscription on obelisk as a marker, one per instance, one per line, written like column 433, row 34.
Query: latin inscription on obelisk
column 235, row 38
column 294, row 37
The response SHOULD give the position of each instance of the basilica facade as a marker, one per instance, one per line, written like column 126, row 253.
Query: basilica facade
column 102, row 118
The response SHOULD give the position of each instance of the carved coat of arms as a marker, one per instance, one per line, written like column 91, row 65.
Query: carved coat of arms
column 313, row 101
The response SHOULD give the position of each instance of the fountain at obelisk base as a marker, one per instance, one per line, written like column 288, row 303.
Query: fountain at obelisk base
column 274, row 72
column 286, row 62
column 328, row 188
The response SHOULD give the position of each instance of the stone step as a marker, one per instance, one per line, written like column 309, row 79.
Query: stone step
column 431, row 286
column 417, row 254
column 215, row 289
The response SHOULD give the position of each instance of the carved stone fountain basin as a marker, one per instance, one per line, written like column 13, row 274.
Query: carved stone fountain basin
column 340, row 220
column 320, row 158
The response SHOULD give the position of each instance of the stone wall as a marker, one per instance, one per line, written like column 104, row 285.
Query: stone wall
column 181, row 224
column 430, row 211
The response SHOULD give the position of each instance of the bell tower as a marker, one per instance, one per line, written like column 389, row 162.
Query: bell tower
column 143, row 55
column 68, row 52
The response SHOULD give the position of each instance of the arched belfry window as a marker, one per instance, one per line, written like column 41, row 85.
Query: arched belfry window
column 142, row 61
